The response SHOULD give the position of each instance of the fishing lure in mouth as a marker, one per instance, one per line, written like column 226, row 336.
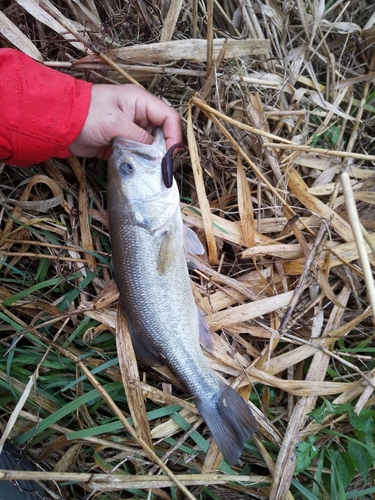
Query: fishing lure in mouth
column 167, row 164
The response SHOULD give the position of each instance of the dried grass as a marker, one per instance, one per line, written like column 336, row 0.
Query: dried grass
column 275, row 106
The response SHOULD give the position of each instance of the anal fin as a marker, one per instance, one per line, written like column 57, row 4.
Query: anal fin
column 205, row 338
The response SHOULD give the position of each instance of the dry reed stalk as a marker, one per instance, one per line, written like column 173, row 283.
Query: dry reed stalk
column 357, row 233
column 268, row 137
column 199, row 183
column 366, row 268
column 299, row 189
column 190, row 50
column 280, row 363
column 170, row 21
column 286, row 460
column 83, row 212
column 17, row 38
column 256, row 114
column 246, row 312
column 210, row 35
column 20, row 404
column 308, row 149
column 106, row 397
column 245, row 206
column 48, row 18
column 130, row 375
column 24, row 203
column 114, row 482
column 56, row 15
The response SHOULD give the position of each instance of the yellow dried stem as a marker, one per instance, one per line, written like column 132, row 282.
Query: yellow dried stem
column 201, row 191
column 328, row 152
column 130, row 374
column 83, row 212
column 357, row 232
column 245, row 206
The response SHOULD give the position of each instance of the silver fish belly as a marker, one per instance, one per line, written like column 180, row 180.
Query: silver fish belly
column 146, row 232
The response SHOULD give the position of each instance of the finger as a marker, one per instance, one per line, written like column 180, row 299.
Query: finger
column 168, row 119
column 130, row 130
column 159, row 114
column 172, row 130
column 105, row 153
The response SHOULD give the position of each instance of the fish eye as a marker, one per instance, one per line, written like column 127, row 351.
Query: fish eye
column 127, row 168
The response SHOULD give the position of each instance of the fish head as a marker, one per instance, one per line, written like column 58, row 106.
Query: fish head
column 136, row 184
column 138, row 166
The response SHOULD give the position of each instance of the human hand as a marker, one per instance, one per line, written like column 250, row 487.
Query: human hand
column 125, row 111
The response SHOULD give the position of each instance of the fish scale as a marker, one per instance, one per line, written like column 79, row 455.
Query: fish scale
column 146, row 232
column 170, row 315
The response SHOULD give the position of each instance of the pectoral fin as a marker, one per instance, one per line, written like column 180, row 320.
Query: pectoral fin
column 191, row 242
column 168, row 250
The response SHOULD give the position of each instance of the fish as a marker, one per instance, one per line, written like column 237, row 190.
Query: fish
column 149, row 243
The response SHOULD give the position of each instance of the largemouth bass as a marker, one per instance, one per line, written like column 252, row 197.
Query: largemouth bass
column 147, row 239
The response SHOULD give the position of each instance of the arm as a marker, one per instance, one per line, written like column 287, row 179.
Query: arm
column 42, row 110
column 45, row 113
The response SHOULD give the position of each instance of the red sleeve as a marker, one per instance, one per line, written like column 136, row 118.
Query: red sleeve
column 42, row 111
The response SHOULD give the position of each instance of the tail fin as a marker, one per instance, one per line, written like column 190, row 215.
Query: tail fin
column 230, row 421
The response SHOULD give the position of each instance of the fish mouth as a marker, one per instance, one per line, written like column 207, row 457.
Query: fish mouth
column 135, row 148
column 154, row 151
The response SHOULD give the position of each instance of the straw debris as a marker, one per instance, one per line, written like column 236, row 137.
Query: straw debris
column 276, row 100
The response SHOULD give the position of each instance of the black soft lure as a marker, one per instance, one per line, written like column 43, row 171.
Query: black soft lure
column 167, row 164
